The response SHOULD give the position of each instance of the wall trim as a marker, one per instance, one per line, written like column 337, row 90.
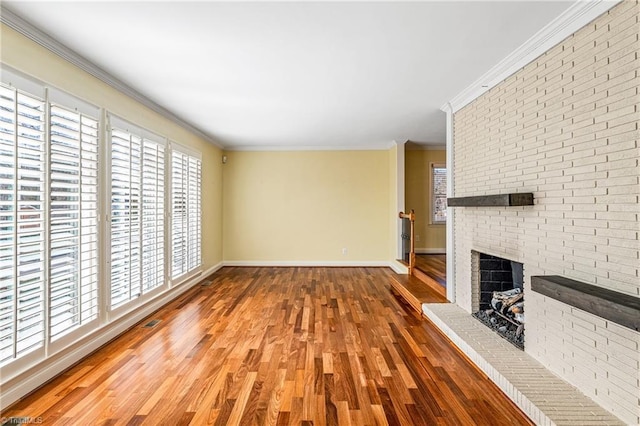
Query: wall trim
column 40, row 374
column 400, row 195
column 396, row 266
column 571, row 20
column 437, row 250
column 309, row 263
column 450, row 234
column 33, row 33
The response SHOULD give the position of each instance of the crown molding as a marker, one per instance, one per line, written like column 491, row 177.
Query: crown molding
column 33, row 33
column 571, row 20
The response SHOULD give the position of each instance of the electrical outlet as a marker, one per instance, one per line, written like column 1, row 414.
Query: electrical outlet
column 417, row 237
column 344, row 251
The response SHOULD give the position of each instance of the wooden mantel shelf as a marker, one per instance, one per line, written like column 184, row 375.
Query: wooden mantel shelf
column 611, row 305
column 514, row 199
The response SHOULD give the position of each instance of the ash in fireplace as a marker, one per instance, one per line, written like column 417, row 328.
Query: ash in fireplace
column 507, row 316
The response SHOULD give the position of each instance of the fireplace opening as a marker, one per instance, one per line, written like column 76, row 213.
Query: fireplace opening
column 501, row 294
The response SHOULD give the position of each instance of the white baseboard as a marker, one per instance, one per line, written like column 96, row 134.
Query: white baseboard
column 431, row 250
column 398, row 268
column 309, row 263
column 38, row 375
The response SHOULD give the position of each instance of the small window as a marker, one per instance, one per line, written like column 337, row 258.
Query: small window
column 438, row 193
column 186, row 212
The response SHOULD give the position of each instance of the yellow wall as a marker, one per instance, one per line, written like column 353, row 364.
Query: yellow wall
column 417, row 196
column 279, row 206
column 30, row 58
column 306, row 206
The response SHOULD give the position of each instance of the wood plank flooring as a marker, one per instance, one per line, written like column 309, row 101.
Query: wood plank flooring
column 433, row 265
column 277, row 346
column 415, row 291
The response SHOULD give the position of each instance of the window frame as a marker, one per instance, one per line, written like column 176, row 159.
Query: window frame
column 433, row 195
column 114, row 121
column 197, row 270
column 15, row 85
column 70, row 336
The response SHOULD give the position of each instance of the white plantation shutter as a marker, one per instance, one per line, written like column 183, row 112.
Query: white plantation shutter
column 194, row 213
column 137, row 216
column 125, row 217
column 186, row 211
column 22, row 223
column 178, row 214
column 153, row 216
column 74, row 220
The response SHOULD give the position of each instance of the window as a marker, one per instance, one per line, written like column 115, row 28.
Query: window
column 51, row 203
column 22, row 223
column 48, row 221
column 153, row 223
column 439, row 193
column 73, row 220
column 137, row 215
column 185, row 213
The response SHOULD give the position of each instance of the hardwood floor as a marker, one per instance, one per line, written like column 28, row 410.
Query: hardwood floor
column 433, row 265
column 279, row 346
column 414, row 291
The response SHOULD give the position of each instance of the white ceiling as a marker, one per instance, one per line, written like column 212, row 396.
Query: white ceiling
column 297, row 74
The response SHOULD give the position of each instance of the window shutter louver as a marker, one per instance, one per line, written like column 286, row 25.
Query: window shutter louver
column 74, row 220
column 137, row 216
column 178, row 214
column 125, row 226
column 22, row 223
column 194, row 213
column 153, row 216
column 186, row 213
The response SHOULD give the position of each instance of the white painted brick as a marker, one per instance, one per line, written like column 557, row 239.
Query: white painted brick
column 619, row 251
column 626, row 282
column 589, row 176
column 623, row 336
column 630, row 172
column 624, row 225
column 630, row 242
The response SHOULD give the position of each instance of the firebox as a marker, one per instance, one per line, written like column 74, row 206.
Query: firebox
column 501, row 296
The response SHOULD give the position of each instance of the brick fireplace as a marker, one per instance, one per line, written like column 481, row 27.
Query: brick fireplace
column 493, row 273
column 565, row 128
column 498, row 284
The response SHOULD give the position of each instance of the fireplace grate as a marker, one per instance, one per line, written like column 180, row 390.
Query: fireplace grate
column 504, row 328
